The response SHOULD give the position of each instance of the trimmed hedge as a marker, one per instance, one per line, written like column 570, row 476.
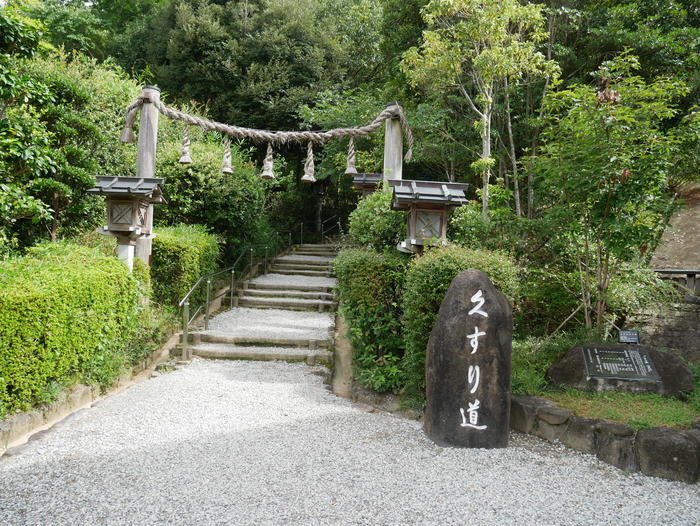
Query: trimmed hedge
column 67, row 314
column 374, row 224
column 429, row 276
column 181, row 255
column 369, row 288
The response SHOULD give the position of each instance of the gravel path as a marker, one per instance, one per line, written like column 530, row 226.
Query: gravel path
column 265, row 443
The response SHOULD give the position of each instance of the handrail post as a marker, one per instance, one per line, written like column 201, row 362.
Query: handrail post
column 289, row 237
column 251, row 259
column 185, row 326
column 206, row 312
column 301, row 233
column 265, row 267
column 233, row 286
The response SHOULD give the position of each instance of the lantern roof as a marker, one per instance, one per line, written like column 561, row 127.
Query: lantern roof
column 142, row 187
column 436, row 193
column 367, row 179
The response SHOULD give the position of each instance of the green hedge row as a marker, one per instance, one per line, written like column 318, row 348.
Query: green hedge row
column 371, row 282
column 67, row 313
column 181, row 255
column 391, row 302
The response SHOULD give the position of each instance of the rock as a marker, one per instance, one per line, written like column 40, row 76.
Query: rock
column 669, row 453
column 580, row 434
column 551, row 424
column 468, row 366
column 676, row 377
column 523, row 412
column 615, row 445
column 553, row 415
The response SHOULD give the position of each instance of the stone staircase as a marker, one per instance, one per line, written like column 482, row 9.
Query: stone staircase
column 286, row 314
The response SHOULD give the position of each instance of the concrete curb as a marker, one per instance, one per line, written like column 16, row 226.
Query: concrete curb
column 19, row 428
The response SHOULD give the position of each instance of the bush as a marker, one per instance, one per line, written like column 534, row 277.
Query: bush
column 181, row 255
column 375, row 224
column 369, row 288
column 427, row 281
column 66, row 314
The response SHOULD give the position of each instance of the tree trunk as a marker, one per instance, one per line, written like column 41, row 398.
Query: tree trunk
column 485, row 155
column 513, row 159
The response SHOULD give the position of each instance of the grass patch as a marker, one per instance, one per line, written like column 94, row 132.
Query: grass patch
column 638, row 411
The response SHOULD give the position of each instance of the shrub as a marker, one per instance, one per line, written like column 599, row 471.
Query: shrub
column 427, row 281
column 369, row 288
column 375, row 224
column 181, row 255
column 66, row 314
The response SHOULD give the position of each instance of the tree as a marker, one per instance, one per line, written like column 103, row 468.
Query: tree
column 473, row 46
column 604, row 167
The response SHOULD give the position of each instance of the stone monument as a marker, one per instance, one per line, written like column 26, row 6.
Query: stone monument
column 468, row 366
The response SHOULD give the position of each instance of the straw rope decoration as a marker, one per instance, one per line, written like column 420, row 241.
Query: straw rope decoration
column 226, row 165
column 185, row 151
column 309, row 165
column 393, row 111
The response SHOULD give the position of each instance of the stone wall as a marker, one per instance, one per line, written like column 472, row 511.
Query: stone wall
column 660, row 452
column 677, row 328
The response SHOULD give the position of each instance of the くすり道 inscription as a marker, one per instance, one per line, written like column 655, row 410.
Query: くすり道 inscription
column 468, row 366
column 622, row 364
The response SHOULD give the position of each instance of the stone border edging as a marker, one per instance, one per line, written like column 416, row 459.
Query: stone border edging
column 19, row 428
column 668, row 453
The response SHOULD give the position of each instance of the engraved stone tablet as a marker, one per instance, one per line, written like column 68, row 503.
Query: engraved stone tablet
column 468, row 366
column 621, row 364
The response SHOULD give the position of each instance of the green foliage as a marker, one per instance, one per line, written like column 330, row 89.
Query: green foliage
column 604, row 169
column 66, row 314
column 370, row 285
column 375, row 224
column 232, row 205
column 427, row 281
column 532, row 357
column 181, row 255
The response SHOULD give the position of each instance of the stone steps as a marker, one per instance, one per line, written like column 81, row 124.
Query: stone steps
column 284, row 314
column 299, row 272
column 224, row 351
column 288, row 293
column 300, row 266
column 258, row 302
column 249, row 340
column 287, row 286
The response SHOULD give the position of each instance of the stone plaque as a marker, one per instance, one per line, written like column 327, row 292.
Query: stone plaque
column 620, row 364
column 628, row 337
column 468, row 366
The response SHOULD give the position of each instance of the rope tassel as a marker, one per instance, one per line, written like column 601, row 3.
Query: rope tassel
column 185, row 151
column 226, row 166
column 309, row 165
column 350, row 167
column 267, row 164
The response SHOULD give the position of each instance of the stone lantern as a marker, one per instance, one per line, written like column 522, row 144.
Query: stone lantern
column 427, row 204
column 129, row 210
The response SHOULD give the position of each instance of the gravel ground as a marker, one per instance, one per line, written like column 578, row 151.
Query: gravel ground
column 271, row 323
column 265, row 443
column 294, row 279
